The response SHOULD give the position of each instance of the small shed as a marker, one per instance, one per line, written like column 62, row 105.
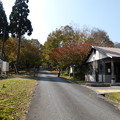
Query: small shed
column 103, row 65
column 4, row 66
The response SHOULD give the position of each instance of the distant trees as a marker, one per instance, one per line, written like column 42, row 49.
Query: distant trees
column 19, row 23
column 67, row 46
column 64, row 46
column 101, row 38
column 3, row 27
column 31, row 50
column 72, row 54
column 31, row 53
column 117, row 45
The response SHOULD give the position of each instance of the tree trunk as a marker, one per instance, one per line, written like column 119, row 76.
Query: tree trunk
column 3, row 42
column 2, row 50
column 18, row 54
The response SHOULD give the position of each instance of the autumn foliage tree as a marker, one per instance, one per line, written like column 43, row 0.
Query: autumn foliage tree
column 66, row 46
column 69, row 54
column 31, row 54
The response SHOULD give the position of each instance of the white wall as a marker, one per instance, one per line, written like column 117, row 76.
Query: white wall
column 96, row 56
column 5, row 66
column 90, row 78
column 71, row 69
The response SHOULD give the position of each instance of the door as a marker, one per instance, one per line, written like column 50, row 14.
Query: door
column 117, row 72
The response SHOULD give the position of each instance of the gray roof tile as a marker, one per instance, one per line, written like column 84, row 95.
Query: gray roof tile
column 109, row 51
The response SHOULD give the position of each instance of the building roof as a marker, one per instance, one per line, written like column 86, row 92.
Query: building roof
column 108, row 51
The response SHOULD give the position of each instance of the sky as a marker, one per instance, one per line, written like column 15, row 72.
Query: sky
column 47, row 15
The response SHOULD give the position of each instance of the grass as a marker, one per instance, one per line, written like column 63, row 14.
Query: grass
column 114, row 96
column 15, row 96
column 22, row 74
column 76, row 80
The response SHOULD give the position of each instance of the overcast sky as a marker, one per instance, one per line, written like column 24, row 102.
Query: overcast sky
column 47, row 15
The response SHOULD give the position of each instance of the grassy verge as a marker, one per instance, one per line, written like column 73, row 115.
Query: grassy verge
column 76, row 80
column 22, row 74
column 15, row 96
column 114, row 96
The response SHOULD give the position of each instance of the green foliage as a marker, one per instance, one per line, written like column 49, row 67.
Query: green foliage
column 75, row 80
column 3, row 23
column 19, row 23
column 71, row 45
column 11, row 49
column 100, row 38
column 114, row 96
column 14, row 98
column 31, row 54
column 4, row 30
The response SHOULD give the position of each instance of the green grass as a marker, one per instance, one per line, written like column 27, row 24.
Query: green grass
column 114, row 96
column 76, row 80
column 22, row 74
column 15, row 96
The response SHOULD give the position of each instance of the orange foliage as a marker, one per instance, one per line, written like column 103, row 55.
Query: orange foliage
column 70, row 54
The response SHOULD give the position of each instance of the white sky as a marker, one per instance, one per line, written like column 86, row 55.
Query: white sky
column 36, row 8
column 47, row 15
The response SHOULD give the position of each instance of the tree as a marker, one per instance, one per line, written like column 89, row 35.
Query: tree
column 3, row 27
column 60, row 36
column 56, row 39
column 70, row 54
column 11, row 49
column 100, row 38
column 19, row 23
column 30, row 55
column 62, row 41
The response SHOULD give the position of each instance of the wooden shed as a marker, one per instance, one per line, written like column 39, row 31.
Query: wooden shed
column 103, row 65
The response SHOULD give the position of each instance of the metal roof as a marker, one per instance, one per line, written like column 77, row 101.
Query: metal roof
column 108, row 51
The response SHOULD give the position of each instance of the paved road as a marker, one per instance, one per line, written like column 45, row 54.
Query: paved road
column 57, row 99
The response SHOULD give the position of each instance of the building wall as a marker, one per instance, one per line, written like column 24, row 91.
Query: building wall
column 97, row 73
column 96, row 55
column 5, row 66
column 108, row 78
column 90, row 78
column 98, row 61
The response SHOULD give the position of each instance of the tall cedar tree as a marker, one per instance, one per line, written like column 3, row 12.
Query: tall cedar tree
column 19, row 23
column 3, row 27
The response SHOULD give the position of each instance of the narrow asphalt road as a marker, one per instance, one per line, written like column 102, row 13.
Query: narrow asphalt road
column 57, row 99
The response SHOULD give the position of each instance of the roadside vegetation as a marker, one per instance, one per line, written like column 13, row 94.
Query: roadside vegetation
column 114, row 96
column 76, row 80
column 64, row 47
column 15, row 96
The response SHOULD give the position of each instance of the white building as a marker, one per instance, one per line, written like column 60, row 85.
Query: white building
column 4, row 66
column 103, row 65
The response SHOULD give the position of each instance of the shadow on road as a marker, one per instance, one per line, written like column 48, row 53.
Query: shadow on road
column 51, row 77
